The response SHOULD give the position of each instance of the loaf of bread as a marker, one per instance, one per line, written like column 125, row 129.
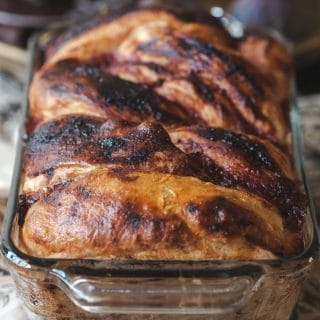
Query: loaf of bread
column 154, row 134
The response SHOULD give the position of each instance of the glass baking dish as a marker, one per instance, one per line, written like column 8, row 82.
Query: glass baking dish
column 129, row 290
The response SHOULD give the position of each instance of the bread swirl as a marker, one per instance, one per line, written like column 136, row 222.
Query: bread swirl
column 156, row 136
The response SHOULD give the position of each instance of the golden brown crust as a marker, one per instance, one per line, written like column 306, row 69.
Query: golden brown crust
column 218, row 76
column 70, row 87
column 83, row 140
column 155, row 135
column 68, row 150
column 194, row 65
column 245, row 162
column 103, row 35
column 119, row 218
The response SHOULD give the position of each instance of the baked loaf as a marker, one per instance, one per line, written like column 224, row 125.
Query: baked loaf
column 154, row 134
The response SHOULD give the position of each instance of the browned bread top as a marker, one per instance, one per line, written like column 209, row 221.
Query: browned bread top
column 155, row 135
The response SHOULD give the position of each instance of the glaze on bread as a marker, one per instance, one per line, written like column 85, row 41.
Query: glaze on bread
column 155, row 135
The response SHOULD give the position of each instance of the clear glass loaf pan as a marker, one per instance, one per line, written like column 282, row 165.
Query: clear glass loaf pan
column 157, row 290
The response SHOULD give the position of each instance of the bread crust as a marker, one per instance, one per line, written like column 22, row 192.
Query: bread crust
column 156, row 136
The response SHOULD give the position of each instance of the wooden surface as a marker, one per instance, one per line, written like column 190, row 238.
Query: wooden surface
column 308, row 307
